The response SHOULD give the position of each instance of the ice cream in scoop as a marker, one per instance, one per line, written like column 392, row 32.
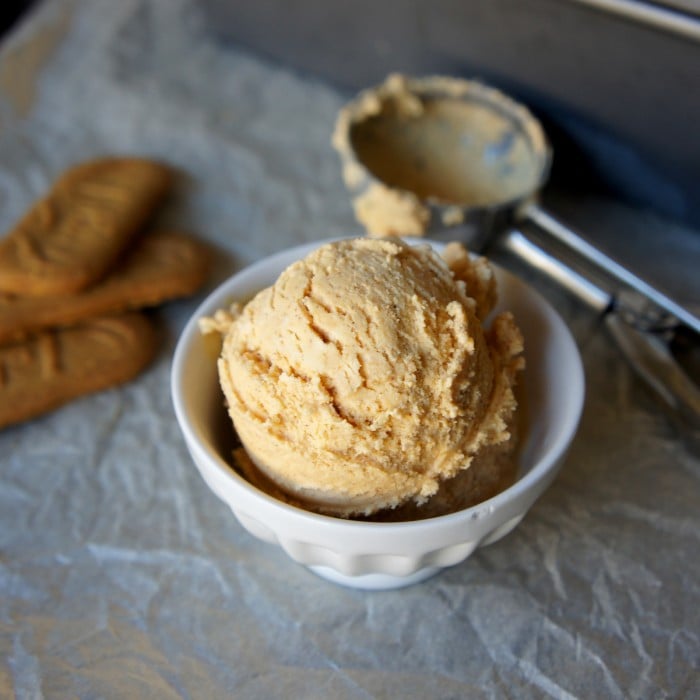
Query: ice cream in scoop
column 364, row 377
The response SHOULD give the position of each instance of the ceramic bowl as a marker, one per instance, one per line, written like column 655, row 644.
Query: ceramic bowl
column 382, row 555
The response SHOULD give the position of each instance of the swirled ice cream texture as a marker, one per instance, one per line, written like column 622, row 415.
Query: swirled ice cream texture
column 364, row 377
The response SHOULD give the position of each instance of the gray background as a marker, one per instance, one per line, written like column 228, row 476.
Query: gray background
column 620, row 98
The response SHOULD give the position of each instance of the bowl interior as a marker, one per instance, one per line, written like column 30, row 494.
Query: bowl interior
column 552, row 384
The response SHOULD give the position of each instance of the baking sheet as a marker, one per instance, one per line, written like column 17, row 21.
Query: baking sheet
column 122, row 575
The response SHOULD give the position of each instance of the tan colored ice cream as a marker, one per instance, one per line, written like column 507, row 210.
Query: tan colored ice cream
column 363, row 377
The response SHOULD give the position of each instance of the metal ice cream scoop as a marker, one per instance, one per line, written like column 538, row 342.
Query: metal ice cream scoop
column 456, row 159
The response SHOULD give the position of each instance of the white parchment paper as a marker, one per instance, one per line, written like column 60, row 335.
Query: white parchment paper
column 122, row 575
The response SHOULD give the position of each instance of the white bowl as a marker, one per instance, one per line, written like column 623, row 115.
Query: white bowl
column 383, row 555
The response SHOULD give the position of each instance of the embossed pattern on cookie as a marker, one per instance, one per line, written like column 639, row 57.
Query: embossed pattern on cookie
column 70, row 238
column 54, row 367
column 163, row 265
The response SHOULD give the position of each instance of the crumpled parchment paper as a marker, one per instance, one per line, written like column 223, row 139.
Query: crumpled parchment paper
column 122, row 575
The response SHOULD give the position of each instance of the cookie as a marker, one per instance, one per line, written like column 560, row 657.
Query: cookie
column 54, row 367
column 69, row 239
column 162, row 265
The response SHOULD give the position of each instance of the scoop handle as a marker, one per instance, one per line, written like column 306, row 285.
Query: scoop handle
column 533, row 213
column 638, row 334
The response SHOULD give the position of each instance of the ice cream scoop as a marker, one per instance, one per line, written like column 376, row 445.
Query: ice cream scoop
column 364, row 376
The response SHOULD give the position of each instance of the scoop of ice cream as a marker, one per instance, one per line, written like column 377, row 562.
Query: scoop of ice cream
column 364, row 377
